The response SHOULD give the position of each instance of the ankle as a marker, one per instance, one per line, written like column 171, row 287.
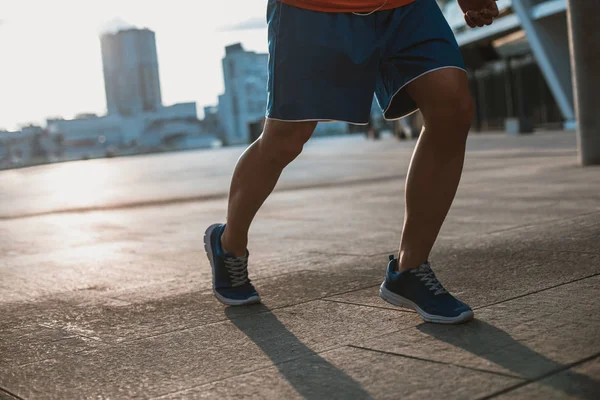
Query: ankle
column 408, row 262
column 228, row 246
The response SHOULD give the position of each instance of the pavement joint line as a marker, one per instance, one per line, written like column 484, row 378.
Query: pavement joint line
column 8, row 392
column 435, row 361
column 204, row 290
column 299, row 357
column 315, row 353
column 326, row 298
column 491, row 233
column 556, row 371
column 485, row 306
column 573, row 224
column 284, row 218
column 589, row 253
column 199, row 198
column 270, row 310
column 296, row 271
column 474, row 308
column 553, row 221
column 325, row 253
column 54, row 359
column 400, row 309
column 330, row 349
column 537, row 291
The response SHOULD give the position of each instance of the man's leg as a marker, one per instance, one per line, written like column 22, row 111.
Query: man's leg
column 436, row 166
column 254, row 178
column 433, row 177
column 313, row 76
column 256, row 175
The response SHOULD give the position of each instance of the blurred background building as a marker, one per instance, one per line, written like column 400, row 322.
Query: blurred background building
column 245, row 100
column 519, row 67
column 243, row 106
column 130, row 66
column 519, row 72
column 136, row 119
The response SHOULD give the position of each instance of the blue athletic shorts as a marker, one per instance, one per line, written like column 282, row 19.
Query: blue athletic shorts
column 326, row 66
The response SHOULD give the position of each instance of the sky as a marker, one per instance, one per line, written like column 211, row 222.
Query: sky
column 50, row 62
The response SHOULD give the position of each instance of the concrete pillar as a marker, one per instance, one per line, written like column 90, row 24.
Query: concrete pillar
column 584, row 38
column 549, row 46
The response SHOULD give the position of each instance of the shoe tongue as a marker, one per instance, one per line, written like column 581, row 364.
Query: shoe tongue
column 232, row 255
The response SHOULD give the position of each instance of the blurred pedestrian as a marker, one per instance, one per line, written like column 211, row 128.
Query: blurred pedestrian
column 372, row 131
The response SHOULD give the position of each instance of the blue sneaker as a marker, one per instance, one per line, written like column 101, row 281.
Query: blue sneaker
column 231, row 285
column 420, row 290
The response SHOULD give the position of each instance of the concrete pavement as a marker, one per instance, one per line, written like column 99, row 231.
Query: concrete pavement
column 105, row 289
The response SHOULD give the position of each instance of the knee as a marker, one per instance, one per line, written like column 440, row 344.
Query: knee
column 281, row 142
column 454, row 114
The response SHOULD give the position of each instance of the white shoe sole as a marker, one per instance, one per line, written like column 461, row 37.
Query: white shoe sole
column 209, row 252
column 400, row 301
column 231, row 302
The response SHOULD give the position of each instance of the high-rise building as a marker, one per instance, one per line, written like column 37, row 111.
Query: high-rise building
column 130, row 66
column 242, row 107
column 245, row 99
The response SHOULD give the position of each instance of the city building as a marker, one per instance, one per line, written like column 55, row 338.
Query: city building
column 130, row 65
column 31, row 144
column 245, row 99
column 87, row 135
column 168, row 128
column 211, row 122
column 243, row 106
column 519, row 67
column 136, row 120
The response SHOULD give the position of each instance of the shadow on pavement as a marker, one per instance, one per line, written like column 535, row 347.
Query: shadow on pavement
column 311, row 376
column 495, row 345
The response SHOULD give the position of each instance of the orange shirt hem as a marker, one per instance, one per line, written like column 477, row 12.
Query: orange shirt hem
column 340, row 6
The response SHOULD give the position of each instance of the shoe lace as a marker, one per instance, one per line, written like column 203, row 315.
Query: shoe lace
column 428, row 277
column 238, row 270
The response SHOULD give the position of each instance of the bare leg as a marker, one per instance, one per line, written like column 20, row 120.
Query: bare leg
column 256, row 175
column 436, row 166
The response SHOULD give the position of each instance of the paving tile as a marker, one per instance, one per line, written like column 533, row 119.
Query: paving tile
column 480, row 279
column 351, row 373
column 581, row 382
column 117, row 302
column 24, row 346
column 131, row 315
column 526, row 337
column 190, row 357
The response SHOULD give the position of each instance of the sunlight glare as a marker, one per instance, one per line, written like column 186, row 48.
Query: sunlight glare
column 77, row 184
